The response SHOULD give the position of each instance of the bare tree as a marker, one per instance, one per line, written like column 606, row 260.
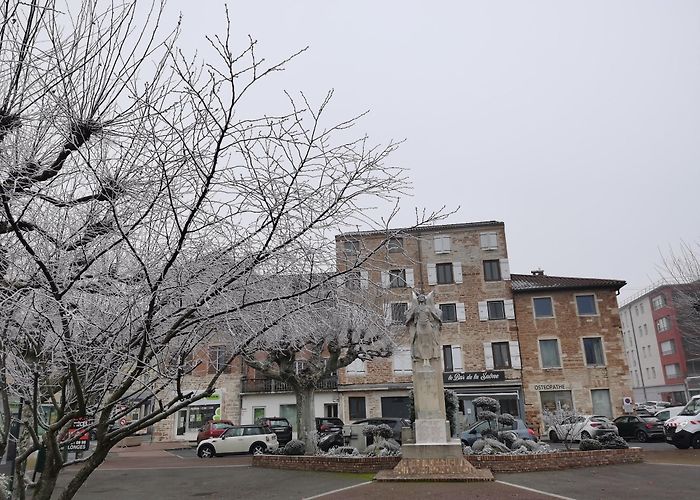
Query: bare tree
column 141, row 214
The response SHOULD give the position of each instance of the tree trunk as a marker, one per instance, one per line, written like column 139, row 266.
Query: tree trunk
column 88, row 468
column 306, row 418
column 52, row 468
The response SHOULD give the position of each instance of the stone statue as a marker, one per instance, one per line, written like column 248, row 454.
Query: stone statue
column 424, row 321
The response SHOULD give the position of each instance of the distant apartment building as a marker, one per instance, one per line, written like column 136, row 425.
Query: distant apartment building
column 663, row 351
column 572, row 354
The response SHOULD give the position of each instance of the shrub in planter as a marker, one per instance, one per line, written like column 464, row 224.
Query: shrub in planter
column 343, row 451
column 486, row 403
column 384, row 431
column 590, row 444
column 613, row 442
column 383, row 448
column 294, row 447
column 369, row 430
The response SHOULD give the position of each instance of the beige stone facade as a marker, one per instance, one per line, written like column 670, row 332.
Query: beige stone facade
column 466, row 267
column 571, row 358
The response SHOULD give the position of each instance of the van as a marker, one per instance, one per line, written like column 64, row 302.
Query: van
column 683, row 430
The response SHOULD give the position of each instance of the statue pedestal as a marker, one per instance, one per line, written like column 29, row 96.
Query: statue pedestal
column 435, row 456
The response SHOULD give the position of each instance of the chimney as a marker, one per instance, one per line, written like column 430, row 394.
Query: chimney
column 538, row 272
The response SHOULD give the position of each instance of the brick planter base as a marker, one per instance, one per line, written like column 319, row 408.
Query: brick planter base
column 555, row 461
column 496, row 463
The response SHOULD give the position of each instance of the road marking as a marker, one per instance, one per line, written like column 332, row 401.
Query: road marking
column 337, row 491
column 667, row 463
column 554, row 495
column 184, row 466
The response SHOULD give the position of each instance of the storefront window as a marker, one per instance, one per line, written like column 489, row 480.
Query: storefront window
column 556, row 400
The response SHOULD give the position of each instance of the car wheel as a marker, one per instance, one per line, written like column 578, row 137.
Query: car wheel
column 553, row 437
column 585, row 435
column 206, row 451
column 257, row 448
column 682, row 446
column 695, row 441
column 642, row 437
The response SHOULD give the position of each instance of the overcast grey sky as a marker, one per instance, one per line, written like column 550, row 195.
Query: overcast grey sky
column 575, row 123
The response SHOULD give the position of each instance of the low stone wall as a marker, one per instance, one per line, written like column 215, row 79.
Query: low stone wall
column 497, row 463
column 555, row 461
column 326, row 464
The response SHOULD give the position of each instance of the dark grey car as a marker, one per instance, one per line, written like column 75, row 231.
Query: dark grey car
column 473, row 433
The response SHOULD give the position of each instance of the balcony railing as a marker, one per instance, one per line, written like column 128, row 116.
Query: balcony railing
column 267, row 385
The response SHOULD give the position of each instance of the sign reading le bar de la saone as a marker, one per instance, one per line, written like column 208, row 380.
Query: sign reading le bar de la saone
column 488, row 376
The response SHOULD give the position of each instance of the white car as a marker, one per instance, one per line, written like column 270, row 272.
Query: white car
column 579, row 427
column 664, row 415
column 239, row 439
column 683, row 430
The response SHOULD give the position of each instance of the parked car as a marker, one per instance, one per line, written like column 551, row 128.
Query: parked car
column 280, row 426
column 683, row 430
column 212, row 429
column 328, row 424
column 651, row 407
column 579, row 427
column 469, row 436
column 639, row 427
column 239, row 439
column 664, row 415
column 396, row 424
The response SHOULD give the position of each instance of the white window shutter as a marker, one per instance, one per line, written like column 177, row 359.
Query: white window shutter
column 387, row 314
column 457, row 271
column 432, row 274
column 483, row 311
column 515, row 354
column 461, row 312
column 488, row 356
column 385, row 279
column 437, row 244
column 510, row 309
column 457, row 358
column 410, row 280
column 364, row 280
column 446, row 244
column 505, row 269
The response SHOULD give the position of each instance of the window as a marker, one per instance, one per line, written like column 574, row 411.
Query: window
column 357, row 367
column 351, row 247
column 449, row 313
column 549, row 351
column 641, row 307
column 489, row 241
column 444, row 273
column 353, row 281
column 492, row 270
column 556, row 401
column 593, row 350
column 663, row 324
column 646, row 330
column 218, row 357
column 402, row 361
column 300, row 365
column 442, row 244
column 452, row 358
column 668, row 347
column 585, row 305
column 497, row 309
column 501, row 355
column 394, row 245
column 653, row 372
column 636, row 310
column 397, row 278
column 673, row 370
column 543, row 307
column 658, row 302
column 398, row 312
column 357, row 408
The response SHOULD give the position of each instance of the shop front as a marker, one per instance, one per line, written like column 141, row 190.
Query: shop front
column 189, row 420
column 471, row 385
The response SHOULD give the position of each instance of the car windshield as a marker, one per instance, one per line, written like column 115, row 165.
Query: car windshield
column 221, row 425
column 598, row 418
column 691, row 408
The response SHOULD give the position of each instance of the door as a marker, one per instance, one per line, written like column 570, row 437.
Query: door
column 290, row 413
column 181, row 422
column 258, row 413
column 601, row 402
column 231, row 442
column 623, row 425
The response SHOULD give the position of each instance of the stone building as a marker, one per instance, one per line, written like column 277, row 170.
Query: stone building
column 572, row 351
column 466, row 267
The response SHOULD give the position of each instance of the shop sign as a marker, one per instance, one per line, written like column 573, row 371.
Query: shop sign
column 551, row 387
column 488, row 376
